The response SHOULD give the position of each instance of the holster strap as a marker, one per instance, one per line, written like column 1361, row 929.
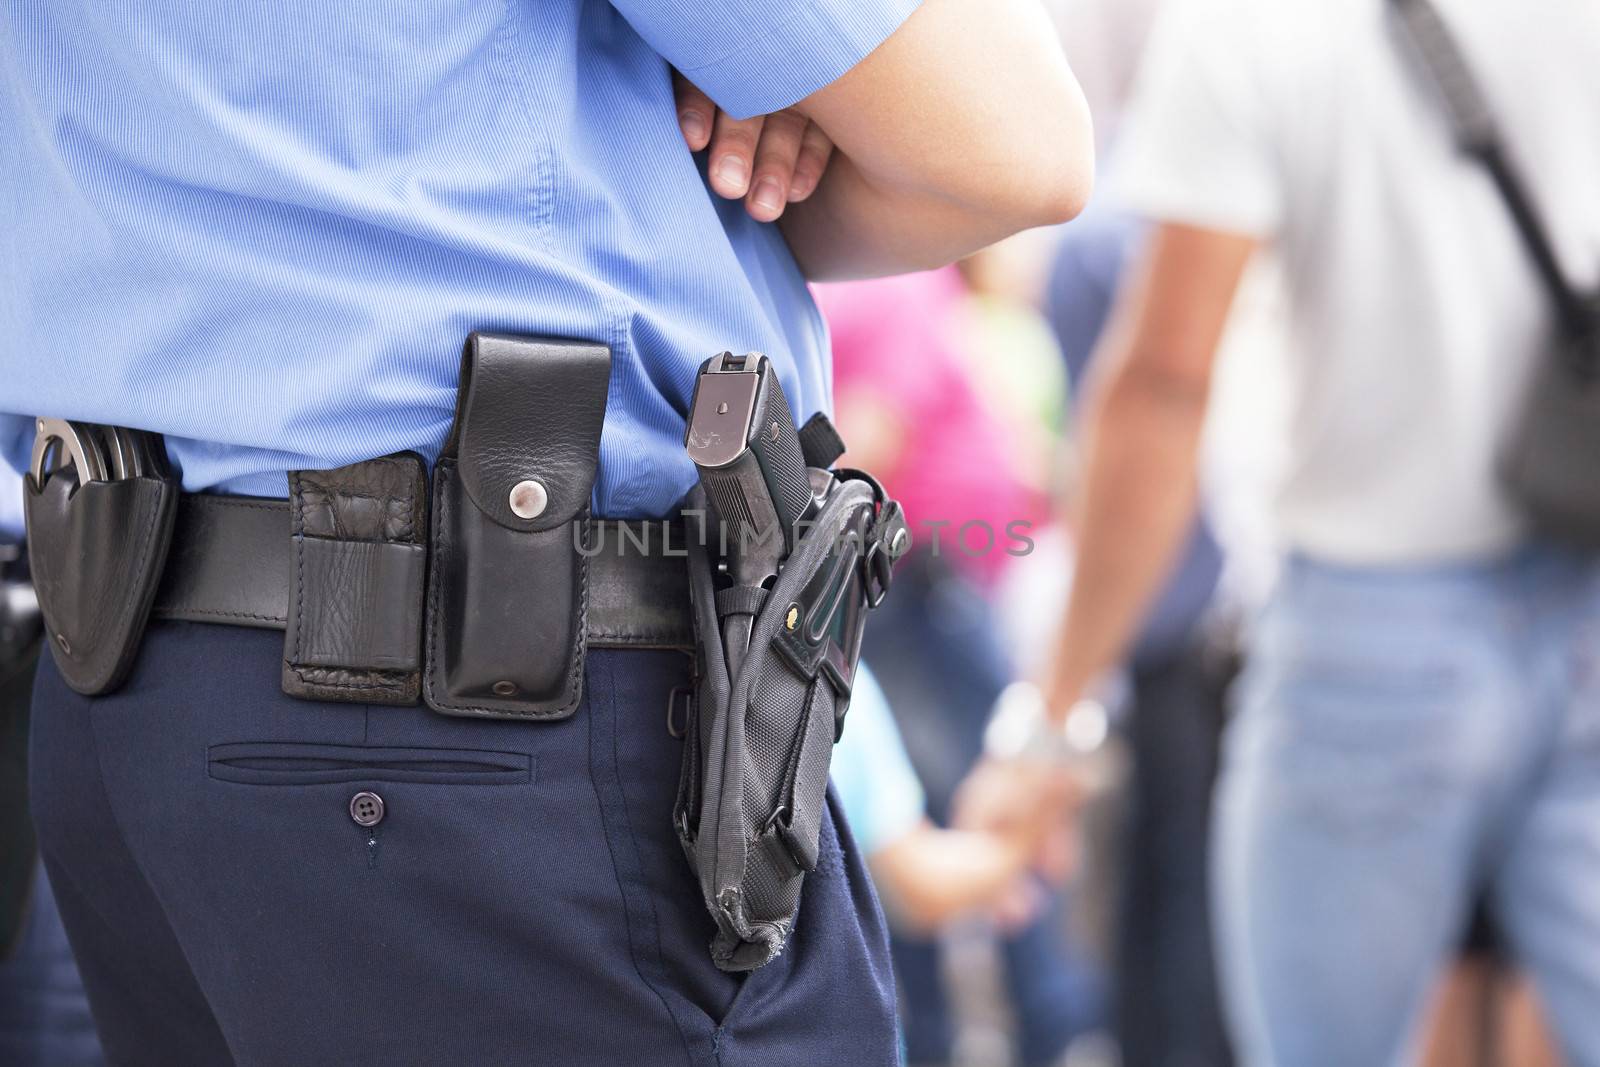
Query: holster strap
column 232, row 563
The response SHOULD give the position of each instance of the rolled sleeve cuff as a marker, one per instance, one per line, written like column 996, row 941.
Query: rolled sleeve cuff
column 810, row 49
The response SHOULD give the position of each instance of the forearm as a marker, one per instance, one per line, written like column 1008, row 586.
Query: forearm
column 853, row 227
column 1137, row 506
column 964, row 127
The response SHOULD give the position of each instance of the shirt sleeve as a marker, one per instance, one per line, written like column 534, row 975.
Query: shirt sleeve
column 1198, row 145
column 754, row 57
column 882, row 799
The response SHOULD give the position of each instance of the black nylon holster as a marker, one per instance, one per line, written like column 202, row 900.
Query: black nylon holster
column 759, row 743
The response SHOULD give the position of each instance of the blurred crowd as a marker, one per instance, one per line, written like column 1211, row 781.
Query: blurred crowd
column 1212, row 465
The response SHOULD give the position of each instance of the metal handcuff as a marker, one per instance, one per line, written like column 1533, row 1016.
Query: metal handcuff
column 98, row 453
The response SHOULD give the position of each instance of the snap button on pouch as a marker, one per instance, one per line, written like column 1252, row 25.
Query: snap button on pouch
column 529, row 499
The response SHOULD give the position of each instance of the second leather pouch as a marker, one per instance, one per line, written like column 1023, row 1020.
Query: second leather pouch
column 507, row 590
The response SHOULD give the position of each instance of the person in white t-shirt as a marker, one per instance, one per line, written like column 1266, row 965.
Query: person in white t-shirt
column 1420, row 718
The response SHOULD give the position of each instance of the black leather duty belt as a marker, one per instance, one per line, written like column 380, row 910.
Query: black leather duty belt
column 232, row 563
column 477, row 590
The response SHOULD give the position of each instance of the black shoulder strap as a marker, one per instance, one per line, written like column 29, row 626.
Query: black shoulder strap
column 1480, row 138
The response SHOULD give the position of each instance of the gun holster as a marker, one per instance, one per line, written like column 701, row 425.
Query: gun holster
column 759, row 742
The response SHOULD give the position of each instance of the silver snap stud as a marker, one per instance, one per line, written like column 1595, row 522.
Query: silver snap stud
column 529, row 499
column 505, row 689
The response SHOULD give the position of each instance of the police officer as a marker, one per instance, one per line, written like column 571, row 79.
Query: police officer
column 264, row 232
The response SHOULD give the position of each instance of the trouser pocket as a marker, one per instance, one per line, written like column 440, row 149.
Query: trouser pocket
column 296, row 763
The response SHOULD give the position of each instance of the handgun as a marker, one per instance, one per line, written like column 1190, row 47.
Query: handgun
column 742, row 437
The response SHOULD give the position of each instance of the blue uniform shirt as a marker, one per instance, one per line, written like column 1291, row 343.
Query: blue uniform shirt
column 265, row 228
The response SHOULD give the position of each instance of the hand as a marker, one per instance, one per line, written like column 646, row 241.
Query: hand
column 1027, row 803
column 770, row 161
column 1018, row 906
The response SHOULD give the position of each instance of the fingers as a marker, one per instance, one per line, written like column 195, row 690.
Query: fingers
column 816, row 149
column 1018, row 906
column 695, row 112
column 776, row 157
column 1057, row 859
column 769, row 161
column 733, row 153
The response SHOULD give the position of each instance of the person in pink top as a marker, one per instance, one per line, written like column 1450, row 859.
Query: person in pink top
column 909, row 411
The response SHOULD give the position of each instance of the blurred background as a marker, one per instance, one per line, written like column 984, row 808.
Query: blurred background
column 968, row 388
column 965, row 389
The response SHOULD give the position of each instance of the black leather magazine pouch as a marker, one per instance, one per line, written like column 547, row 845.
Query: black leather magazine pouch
column 508, row 590
column 97, row 544
column 355, row 601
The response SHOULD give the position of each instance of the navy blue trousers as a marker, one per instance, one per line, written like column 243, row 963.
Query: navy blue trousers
column 44, row 1017
column 523, row 899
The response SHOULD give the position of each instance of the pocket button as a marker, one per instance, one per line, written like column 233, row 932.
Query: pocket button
column 366, row 808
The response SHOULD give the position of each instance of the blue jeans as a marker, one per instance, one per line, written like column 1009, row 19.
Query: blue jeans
column 520, row 898
column 1405, row 738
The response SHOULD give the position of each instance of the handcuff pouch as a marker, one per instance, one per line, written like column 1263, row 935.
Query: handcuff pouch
column 97, row 550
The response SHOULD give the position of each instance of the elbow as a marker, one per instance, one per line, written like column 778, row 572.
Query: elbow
column 1173, row 388
column 1058, row 195
column 1069, row 194
column 1049, row 183
column 1070, row 162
